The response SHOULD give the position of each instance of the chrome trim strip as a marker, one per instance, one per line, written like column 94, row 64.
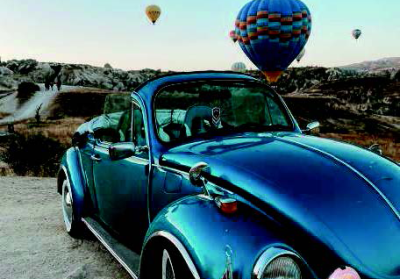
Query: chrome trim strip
column 183, row 173
column 98, row 236
column 138, row 101
column 178, row 245
column 336, row 159
column 138, row 160
column 267, row 257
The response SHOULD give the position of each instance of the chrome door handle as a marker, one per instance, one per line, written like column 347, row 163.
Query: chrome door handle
column 95, row 158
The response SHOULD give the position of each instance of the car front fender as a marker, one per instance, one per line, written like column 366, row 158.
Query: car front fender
column 71, row 169
column 213, row 240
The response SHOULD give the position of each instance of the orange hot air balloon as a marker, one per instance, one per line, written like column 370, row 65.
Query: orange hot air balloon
column 153, row 12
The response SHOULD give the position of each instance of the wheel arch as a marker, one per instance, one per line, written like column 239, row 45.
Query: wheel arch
column 159, row 239
column 70, row 169
column 207, row 235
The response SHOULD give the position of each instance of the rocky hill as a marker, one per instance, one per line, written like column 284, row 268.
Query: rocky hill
column 358, row 106
column 391, row 64
column 364, row 93
column 14, row 71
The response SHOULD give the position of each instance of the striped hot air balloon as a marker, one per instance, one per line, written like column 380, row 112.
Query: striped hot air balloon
column 272, row 33
column 233, row 36
column 301, row 55
column 153, row 12
column 239, row 67
column 356, row 33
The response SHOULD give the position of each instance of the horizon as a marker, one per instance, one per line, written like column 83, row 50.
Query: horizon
column 253, row 68
column 80, row 33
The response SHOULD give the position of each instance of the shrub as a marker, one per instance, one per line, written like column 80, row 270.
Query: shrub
column 26, row 90
column 34, row 155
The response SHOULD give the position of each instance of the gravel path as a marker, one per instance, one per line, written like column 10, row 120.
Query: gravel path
column 33, row 243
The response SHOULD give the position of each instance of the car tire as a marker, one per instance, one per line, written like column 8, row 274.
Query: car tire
column 73, row 227
column 166, row 263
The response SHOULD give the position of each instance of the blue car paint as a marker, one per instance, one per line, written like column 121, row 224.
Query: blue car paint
column 211, row 233
column 319, row 203
column 348, row 214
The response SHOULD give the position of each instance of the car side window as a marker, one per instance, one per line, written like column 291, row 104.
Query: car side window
column 139, row 132
column 115, row 124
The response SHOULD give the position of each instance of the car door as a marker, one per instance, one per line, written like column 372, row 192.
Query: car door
column 121, row 186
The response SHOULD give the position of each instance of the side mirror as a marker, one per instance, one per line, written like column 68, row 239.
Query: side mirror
column 119, row 151
column 376, row 149
column 312, row 127
column 195, row 174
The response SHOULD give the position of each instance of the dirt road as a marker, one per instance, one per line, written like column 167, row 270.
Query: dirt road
column 33, row 243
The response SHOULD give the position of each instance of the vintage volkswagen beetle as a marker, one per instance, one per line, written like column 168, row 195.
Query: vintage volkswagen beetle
column 208, row 175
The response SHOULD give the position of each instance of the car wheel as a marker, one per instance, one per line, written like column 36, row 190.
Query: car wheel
column 167, row 268
column 170, row 264
column 72, row 226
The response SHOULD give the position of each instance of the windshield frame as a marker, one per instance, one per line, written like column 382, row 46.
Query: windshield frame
column 278, row 99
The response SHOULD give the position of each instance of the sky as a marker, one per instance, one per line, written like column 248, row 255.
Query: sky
column 190, row 35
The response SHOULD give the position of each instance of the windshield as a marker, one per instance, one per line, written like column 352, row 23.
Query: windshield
column 202, row 110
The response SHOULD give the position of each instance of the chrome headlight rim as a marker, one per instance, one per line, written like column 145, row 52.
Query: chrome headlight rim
column 273, row 253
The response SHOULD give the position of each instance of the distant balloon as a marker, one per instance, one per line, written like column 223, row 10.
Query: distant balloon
column 153, row 12
column 272, row 33
column 239, row 67
column 301, row 55
column 356, row 33
column 233, row 36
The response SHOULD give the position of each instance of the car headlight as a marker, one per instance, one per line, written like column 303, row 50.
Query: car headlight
column 282, row 268
column 277, row 263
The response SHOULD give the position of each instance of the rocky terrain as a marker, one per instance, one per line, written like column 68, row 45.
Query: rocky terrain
column 14, row 71
column 385, row 64
column 359, row 106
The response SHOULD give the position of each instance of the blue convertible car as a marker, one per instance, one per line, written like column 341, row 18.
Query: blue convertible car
column 208, row 175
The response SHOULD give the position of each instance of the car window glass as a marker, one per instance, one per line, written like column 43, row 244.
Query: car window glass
column 139, row 132
column 200, row 109
column 114, row 125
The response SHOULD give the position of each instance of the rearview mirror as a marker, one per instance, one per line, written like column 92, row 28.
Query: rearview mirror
column 312, row 128
column 119, row 151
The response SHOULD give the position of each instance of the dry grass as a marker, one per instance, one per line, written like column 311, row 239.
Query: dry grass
column 60, row 130
column 389, row 147
column 63, row 129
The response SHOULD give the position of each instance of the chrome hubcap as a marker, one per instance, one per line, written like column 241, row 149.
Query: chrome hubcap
column 167, row 267
column 67, row 205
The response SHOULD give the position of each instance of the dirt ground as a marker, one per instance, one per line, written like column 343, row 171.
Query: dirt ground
column 33, row 243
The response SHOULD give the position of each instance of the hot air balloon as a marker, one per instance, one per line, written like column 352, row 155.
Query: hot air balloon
column 356, row 33
column 272, row 33
column 301, row 55
column 153, row 12
column 233, row 36
column 239, row 67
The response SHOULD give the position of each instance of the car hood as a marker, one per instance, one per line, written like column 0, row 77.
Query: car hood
column 345, row 196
